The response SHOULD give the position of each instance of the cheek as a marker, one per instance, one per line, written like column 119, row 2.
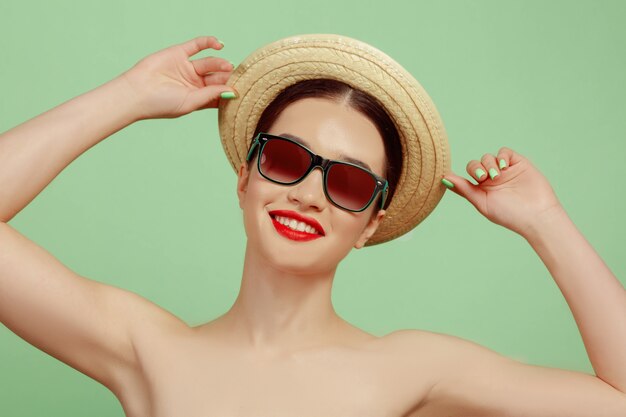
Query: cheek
column 260, row 193
column 263, row 192
column 349, row 226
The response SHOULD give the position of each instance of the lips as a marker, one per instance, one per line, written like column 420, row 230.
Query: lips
column 298, row 235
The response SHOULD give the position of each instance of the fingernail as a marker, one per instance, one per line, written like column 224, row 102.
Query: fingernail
column 228, row 66
column 479, row 173
column 493, row 173
column 447, row 183
column 228, row 94
column 219, row 41
column 502, row 164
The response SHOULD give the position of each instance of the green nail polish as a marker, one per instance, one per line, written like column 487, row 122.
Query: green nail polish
column 228, row 94
column 447, row 183
column 479, row 173
column 493, row 173
column 502, row 164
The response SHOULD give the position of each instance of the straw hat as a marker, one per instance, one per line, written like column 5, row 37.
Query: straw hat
column 272, row 68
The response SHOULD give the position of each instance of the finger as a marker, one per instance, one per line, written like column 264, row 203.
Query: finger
column 461, row 186
column 504, row 158
column 210, row 64
column 217, row 78
column 196, row 45
column 206, row 97
column 509, row 156
column 476, row 170
column 489, row 162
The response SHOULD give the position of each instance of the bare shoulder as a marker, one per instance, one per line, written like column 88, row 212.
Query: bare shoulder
column 427, row 358
column 153, row 329
column 434, row 345
column 417, row 353
column 440, row 354
column 424, row 341
column 413, row 361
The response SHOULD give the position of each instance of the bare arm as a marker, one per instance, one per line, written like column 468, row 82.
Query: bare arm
column 595, row 296
column 521, row 199
column 472, row 380
column 89, row 325
column 35, row 152
column 86, row 324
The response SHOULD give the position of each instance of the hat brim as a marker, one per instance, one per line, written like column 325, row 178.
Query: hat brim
column 274, row 67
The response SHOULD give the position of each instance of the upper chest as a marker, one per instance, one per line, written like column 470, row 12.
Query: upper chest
column 184, row 379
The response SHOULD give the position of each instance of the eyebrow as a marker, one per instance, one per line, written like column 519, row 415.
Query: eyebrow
column 341, row 157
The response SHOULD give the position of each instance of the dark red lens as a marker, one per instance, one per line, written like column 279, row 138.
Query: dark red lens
column 284, row 161
column 349, row 186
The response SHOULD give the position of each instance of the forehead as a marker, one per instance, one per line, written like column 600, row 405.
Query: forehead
column 333, row 130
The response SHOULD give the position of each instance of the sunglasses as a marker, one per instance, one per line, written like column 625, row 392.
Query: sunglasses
column 287, row 162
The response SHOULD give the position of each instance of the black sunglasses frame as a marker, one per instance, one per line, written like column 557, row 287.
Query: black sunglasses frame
column 382, row 186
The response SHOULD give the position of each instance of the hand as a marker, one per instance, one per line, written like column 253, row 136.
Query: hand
column 167, row 84
column 518, row 197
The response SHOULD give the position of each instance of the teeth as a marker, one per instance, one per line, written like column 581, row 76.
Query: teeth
column 296, row 225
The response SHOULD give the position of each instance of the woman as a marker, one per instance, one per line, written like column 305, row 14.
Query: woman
column 281, row 349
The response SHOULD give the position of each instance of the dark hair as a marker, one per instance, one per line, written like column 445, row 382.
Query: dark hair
column 358, row 100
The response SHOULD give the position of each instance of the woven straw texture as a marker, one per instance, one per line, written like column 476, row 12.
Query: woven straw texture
column 272, row 68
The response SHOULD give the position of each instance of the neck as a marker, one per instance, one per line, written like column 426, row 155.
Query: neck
column 281, row 309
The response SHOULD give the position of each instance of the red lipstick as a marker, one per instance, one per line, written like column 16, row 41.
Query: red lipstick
column 296, row 234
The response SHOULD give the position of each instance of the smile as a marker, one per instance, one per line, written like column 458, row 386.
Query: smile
column 294, row 226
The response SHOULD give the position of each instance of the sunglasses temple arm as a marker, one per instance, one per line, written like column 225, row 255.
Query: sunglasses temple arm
column 255, row 143
column 384, row 196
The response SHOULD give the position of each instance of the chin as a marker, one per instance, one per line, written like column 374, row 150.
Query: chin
column 298, row 257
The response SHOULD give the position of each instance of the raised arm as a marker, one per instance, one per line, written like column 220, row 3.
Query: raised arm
column 163, row 85
column 516, row 195
column 88, row 325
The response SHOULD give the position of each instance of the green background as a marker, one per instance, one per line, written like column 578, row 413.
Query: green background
column 143, row 211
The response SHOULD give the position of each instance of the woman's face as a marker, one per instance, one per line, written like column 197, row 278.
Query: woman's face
column 334, row 131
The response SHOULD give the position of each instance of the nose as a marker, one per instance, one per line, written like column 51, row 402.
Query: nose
column 309, row 193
